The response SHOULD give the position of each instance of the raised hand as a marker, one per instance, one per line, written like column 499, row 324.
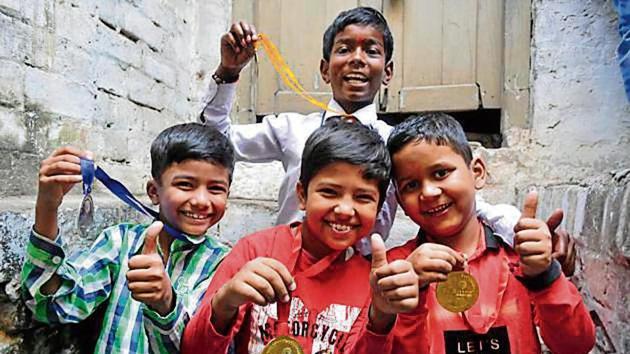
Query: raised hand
column 147, row 279
column 532, row 239
column 432, row 262
column 57, row 175
column 394, row 287
column 237, row 49
column 261, row 281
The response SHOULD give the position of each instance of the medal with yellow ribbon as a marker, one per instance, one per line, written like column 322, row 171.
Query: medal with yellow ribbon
column 287, row 75
column 459, row 292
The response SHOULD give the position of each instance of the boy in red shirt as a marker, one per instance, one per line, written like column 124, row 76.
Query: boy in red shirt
column 520, row 285
column 304, row 280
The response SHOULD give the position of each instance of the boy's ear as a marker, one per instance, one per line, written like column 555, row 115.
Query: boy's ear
column 478, row 168
column 323, row 70
column 152, row 192
column 389, row 73
column 301, row 194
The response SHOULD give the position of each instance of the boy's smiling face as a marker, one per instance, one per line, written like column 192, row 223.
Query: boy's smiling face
column 341, row 207
column 436, row 188
column 357, row 66
column 192, row 195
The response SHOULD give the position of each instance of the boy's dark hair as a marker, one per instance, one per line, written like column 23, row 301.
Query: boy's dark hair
column 435, row 128
column 354, row 143
column 192, row 141
column 366, row 16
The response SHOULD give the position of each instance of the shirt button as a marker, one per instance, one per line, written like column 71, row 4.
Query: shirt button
column 56, row 260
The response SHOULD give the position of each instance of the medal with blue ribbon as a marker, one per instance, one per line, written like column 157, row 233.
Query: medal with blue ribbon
column 89, row 171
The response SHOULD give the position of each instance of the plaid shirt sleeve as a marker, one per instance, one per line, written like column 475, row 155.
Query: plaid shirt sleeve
column 86, row 280
column 165, row 332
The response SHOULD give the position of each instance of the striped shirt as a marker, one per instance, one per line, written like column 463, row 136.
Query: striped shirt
column 89, row 279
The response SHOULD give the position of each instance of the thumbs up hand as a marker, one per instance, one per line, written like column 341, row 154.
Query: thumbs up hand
column 147, row 279
column 532, row 239
column 394, row 287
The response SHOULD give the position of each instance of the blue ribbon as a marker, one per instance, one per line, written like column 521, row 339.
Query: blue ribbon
column 89, row 172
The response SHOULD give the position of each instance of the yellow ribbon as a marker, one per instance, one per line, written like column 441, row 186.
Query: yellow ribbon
column 287, row 76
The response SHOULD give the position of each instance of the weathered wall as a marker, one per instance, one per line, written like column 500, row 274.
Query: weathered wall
column 108, row 75
column 576, row 151
column 102, row 75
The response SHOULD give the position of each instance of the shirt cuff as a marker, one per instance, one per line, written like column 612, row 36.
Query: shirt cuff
column 544, row 279
column 168, row 322
column 44, row 252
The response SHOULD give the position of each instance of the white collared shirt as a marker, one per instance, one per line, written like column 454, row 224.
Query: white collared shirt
column 282, row 137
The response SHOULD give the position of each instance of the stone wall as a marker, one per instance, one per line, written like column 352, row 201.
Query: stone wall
column 102, row 75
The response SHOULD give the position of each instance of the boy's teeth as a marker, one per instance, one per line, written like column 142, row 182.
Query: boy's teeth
column 438, row 209
column 340, row 228
column 194, row 216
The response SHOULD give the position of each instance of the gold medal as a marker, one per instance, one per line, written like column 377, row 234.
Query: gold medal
column 283, row 345
column 458, row 293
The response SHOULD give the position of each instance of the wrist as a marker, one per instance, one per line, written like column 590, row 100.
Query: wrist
column 379, row 321
column 225, row 75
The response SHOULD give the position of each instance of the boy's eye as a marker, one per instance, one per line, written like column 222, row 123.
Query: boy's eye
column 441, row 173
column 341, row 50
column 373, row 51
column 410, row 186
column 327, row 192
column 217, row 189
column 184, row 185
column 366, row 198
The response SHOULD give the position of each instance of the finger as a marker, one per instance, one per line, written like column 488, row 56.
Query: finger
column 379, row 256
column 530, row 205
column 436, row 266
column 440, row 250
column 239, row 34
column 247, row 32
column 400, row 293
column 150, row 238
column 262, row 284
column 284, row 273
column 232, row 42
column 531, row 235
column 396, row 267
column 396, row 281
column 61, row 165
column 555, row 219
column 559, row 244
column 69, row 150
column 254, row 33
column 432, row 277
column 531, row 248
column 528, row 224
column 142, row 274
column 252, row 295
column 70, row 179
column 143, row 287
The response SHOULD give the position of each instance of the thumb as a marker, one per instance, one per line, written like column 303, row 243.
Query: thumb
column 150, row 239
column 379, row 257
column 530, row 205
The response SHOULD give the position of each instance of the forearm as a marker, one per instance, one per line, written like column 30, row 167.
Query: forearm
column 45, row 220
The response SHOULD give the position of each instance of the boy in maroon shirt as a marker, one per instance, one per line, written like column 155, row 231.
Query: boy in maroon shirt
column 304, row 281
column 520, row 284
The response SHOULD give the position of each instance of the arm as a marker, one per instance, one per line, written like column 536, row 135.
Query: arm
column 165, row 330
column 237, row 283
column 81, row 285
column 565, row 323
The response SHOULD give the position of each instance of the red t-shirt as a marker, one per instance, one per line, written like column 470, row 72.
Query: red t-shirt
column 328, row 311
column 505, row 316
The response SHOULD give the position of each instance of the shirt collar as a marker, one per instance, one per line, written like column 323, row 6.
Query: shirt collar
column 365, row 115
column 493, row 240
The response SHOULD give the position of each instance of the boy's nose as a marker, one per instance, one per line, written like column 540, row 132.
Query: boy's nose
column 430, row 190
column 200, row 199
column 358, row 57
column 344, row 209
